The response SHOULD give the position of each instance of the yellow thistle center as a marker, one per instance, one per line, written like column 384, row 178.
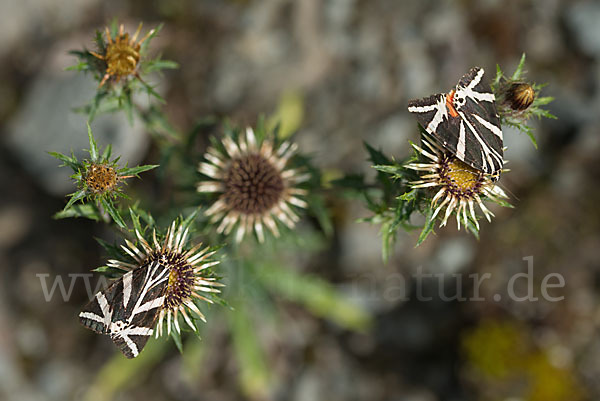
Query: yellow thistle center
column 253, row 185
column 122, row 56
column 460, row 179
column 100, row 178
column 180, row 286
column 181, row 277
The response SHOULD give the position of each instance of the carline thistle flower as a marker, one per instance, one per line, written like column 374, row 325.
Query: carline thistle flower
column 188, row 269
column 257, row 187
column 121, row 55
column 460, row 185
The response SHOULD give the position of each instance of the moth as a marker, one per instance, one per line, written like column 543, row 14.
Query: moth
column 127, row 309
column 465, row 122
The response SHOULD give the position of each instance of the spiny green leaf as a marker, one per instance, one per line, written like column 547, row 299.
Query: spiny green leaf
column 529, row 133
column 376, row 156
column 110, row 272
column 152, row 92
column 107, row 152
column 113, row 251
column 317, row 206
column 472, row 227
column 135, row 219
column 137, row 170
column 395, row 170
column 76, row 196
column 428, row 227
column 388, row 236
column 87, row 211
column 112, row 211
column 188, row 220
column 80, row 66
column 408, row 196
column 517, row 74
column 70, row 161
column 93, row 148
column 177, row 340
column 541, row 101
column 157, row 65
column 502, row 203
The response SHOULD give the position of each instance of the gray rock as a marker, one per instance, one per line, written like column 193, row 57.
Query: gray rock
column 46, row 122
column 583, row 19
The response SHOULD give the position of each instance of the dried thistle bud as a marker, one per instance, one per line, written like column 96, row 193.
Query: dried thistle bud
column 101, row 178
column 122, row 54
column 519, row 96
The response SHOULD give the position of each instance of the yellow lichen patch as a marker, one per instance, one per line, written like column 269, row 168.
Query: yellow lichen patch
column 496, row 349
column 505, row 363
column 100, row 178
column 551, row 383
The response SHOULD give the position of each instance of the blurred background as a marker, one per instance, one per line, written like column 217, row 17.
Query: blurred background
column 346, row 69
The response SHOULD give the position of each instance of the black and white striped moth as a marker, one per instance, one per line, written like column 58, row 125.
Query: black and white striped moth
column 465, row 122
column 127, row 310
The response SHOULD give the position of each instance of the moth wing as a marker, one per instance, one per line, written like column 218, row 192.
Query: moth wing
column 483, row 141
column 431, row 112
column 96, row 315
column 128, row 308
column 141, row 316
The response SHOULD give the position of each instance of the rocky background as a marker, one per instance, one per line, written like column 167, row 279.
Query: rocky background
column 350, row 66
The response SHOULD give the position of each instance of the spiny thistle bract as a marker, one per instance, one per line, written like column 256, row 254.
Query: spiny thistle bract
column 256, row 183
column 99, row 180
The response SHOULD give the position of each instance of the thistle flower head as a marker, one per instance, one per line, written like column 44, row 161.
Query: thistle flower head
column 189, row 268
column 121, row 54
column 459, row 186
column 118, row 59
column 99, row 177
column 257, row 187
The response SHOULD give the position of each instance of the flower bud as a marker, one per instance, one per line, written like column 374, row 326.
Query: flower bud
column 519, row 96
